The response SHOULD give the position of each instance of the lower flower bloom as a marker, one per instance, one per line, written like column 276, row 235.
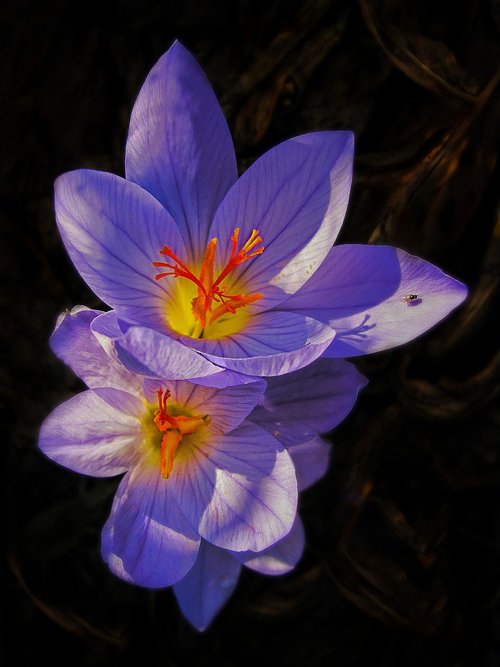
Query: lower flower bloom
column 211, row 475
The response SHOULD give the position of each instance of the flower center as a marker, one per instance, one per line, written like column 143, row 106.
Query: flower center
column 211, row 303
column 174, row 429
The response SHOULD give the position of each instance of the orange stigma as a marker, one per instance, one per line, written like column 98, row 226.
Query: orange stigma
column 174, row 429
column 212, row 301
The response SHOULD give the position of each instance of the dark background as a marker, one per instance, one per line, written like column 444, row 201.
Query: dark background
column 402, row 565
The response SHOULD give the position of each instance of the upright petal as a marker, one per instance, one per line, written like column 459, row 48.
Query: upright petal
column 92, row 435
column 312, row 400
column 279, row 558
column 179, row 147
column 113, row 230
column 360, row 291
column 273, row 344
column 239, row 490
column 296, row 196
column 146, row 538
column 74, row 343
column 208, row 585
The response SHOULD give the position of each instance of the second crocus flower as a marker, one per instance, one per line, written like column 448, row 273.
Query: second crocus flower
column 210, row 475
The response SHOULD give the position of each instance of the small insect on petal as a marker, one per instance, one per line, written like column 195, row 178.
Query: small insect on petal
column 412, row 299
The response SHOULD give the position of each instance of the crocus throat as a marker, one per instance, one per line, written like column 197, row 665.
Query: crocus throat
column 174, row 429
column 211, row 302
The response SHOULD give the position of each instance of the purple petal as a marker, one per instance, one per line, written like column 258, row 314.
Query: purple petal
column 360, row 291
column 281, row 557
column 179, row 147
column 92, row 434
column 206, row 588
column 74, row 343
column 225, row 379
column 147, row 352
column 274, row 343
column 313, row 400
column 113, row 231
column 311, row 461
column 296, row 196
column 146, row 538
column 239, row 489
column 106, row 328
column 227, row 407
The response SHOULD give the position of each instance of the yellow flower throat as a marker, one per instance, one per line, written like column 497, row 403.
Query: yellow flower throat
column 201, row 307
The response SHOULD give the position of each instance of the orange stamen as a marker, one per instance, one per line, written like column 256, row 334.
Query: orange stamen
column 242, row 255
column 174, row 428
column 168, row 447
column 234, row 302
column 179, row 270
column 210, row 290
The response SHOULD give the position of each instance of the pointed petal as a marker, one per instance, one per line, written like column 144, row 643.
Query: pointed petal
column 296, row 197
column 281, row 557
column 206, row 588
column 312, row 400
column 146, row 538
column 359, row 290
column 226, row 407
column 274, row 343
column 311, row 461
column 74, row 343
column 179, row 147
column 239, row 489
column 96, row 433
column 150, row 353
column 113, row 230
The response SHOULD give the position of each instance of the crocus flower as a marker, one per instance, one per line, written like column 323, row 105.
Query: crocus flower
column 240, row 272
column 211, row 475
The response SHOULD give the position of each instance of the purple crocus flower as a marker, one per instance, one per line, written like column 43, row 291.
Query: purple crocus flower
column 211, row 475
column 239, row 273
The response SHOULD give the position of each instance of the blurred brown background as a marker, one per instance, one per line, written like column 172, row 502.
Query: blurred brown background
column 403, row 559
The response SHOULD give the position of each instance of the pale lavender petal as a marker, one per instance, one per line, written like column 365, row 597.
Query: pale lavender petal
column 206, row 588
column 74, row 343
column 311, row 461
column 281, row 557
column 226, row 378
column 179, row 147
column 113, row 230
column 296, row 196
column 360, row 291
column 239, row 490
column 123, row 401
column 226, row 407
column 146, row 538
column 106, row 327
column 312, row 400
column 274, row 343
column 91, row 434
column 264, row 334
column 150, row 353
